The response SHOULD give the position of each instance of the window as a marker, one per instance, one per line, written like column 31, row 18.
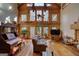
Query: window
column 32, row 15
column 45, row 15
column 23, row 28
column 39, row 4
column 48, row 4
column 39, row 15
column 39, row 30
column 7, row 20
column 45, row 30
column 54, row 17
column 23, row 17
column 7, row 29
column 15, row 19
column 29, row 4
column 54, row 28
column 32, row 32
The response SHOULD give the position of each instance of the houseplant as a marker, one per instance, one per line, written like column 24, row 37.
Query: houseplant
column 25, row 34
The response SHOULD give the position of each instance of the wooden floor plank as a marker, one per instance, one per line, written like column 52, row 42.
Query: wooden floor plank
column 58, row 48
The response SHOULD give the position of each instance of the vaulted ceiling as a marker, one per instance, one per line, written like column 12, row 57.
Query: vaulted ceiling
column 8, row 9
column 5, row 12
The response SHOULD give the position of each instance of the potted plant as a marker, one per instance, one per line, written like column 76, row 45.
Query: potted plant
column 25, row 33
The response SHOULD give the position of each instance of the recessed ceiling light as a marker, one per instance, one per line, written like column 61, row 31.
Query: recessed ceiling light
column 10, row 7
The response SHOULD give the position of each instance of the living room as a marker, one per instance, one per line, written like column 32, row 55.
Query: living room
column 39, row 29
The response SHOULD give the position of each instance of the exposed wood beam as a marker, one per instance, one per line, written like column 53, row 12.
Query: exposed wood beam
column 19, row 5
column 58, row 5
column 64, row 5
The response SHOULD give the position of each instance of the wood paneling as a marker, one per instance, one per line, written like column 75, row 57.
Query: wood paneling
column 54, row 9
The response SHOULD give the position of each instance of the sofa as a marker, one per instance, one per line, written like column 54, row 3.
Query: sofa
column 39, row 48
column 39, row 44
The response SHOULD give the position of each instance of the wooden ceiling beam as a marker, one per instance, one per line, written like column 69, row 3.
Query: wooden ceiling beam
column 58, row 5
column 19, row 5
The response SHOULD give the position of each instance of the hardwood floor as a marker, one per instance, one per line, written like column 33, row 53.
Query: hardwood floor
column 58, row 48
column 27, row 49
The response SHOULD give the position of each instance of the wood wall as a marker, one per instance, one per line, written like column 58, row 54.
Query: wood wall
column 23, row 9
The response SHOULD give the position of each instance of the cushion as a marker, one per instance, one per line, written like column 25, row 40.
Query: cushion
column 46, row 53
column 42, row 41
column 10, row 36
column 11, row 42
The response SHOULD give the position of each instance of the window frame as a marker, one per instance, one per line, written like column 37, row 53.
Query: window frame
column 32, row 15
column 25, row 18
column 54, row 17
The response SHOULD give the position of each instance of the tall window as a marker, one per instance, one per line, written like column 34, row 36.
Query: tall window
column 23, row 17
column 32, row 15
column 38, row 4
column 39, row 30
column 45, row 30
column 54, row 17
column 32, row 32
column 45, row 15
column 39, row 15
